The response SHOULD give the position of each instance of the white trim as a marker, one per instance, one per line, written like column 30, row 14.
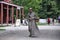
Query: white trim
column 19, row 7
column 10, row 4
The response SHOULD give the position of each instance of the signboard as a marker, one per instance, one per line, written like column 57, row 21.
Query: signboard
column 42, row 20
column 18, row 23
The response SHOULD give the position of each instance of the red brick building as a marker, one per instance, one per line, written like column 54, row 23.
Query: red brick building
column 7, row 11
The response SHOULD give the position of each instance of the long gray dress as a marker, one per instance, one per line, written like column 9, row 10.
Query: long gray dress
column 32, row 26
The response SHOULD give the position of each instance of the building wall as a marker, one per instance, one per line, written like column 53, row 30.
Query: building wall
column 4, row 16
column 7, row 1
column 0, row 13
column 1, row 0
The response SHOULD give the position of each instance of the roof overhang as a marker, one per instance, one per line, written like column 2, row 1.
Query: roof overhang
column 18, row 7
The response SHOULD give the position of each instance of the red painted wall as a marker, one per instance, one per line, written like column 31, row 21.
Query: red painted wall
column 7, row 1
column 0, row 13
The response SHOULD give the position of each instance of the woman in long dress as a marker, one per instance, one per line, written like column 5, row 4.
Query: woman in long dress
column 32, row 26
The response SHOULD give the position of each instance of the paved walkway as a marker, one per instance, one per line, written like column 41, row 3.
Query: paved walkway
column 47, row 32
column 23, row 35
column 41, row 27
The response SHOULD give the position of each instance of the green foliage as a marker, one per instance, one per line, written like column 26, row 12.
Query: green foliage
column 43, row 8
column 49, row 8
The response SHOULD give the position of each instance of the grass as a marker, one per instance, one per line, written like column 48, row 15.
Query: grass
column 2, row 28
column 41, row 23
column 3, row 25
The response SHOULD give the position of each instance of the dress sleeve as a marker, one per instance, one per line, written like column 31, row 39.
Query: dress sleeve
column 28, row 16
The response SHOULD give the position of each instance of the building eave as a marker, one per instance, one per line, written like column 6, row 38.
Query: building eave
column 10, row 4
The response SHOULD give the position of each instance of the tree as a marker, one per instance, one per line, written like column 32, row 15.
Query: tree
column 43, row 8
